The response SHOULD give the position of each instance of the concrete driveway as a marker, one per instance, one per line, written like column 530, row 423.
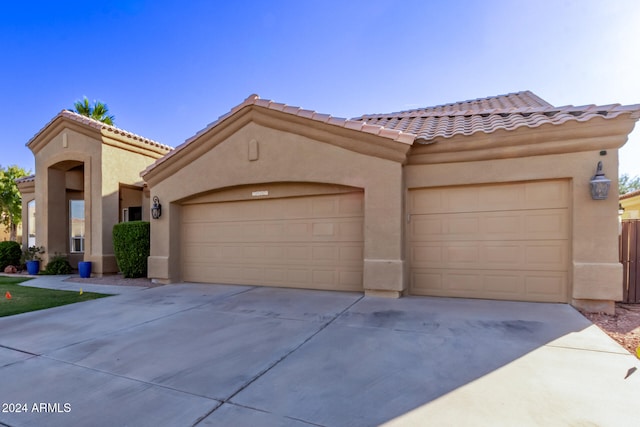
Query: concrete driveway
column 214, row 355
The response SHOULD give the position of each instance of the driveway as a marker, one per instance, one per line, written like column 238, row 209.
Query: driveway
column 217, row 355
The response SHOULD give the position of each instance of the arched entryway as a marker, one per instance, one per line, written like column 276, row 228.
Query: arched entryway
column 66, row 215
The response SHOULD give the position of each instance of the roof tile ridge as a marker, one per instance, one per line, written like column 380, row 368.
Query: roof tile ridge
column 536, row 98
column 98, row 125
column 629, row 194
column 26, row 178
column 353, row 124
column 255, row 100
column 457, row 107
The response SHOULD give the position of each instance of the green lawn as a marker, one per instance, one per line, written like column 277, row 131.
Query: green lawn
column 24, row 298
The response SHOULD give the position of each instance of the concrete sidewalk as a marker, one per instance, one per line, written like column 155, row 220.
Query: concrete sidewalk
column 214, row 355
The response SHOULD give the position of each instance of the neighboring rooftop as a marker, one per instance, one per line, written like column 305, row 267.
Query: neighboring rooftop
column 630, row 194
column 511, row 111
column 28, row 178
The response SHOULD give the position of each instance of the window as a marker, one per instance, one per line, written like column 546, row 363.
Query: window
column 31, row 223
column 132, row 213
column 76, row 226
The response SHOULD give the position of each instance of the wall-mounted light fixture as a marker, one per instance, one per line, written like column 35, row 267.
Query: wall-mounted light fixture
column 620, row 209
column 599, row 184
column 156, row 209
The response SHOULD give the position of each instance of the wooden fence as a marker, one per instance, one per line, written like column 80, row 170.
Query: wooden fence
column 630, row 257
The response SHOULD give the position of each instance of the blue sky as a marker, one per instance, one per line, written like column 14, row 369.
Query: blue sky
column 168, row 68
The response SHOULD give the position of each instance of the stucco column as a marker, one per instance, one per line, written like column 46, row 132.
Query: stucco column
column 384, row 263
column 597, row 271
column 163, row 263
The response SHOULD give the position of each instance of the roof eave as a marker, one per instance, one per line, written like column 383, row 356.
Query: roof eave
column 573, row 136
column 356, row 129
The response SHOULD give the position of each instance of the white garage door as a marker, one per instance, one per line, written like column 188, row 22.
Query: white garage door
column 503, row 241
column 313, row 242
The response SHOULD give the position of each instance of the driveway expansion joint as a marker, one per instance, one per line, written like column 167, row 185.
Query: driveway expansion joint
column 113, row 374
column 18, row 350
column 623, row 352
column 277, row 362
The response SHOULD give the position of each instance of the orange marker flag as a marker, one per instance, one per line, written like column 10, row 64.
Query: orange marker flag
column 7, row 295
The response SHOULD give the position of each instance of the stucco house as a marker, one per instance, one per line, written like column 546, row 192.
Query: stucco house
column 87, row 179
column 6, row 235
column 630, row 202
column 487, row 198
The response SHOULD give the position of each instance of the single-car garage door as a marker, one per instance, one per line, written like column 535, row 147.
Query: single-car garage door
column 313, row 242
column 503, row 241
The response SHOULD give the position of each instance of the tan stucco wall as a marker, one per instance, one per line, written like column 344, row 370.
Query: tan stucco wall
column 27, row 192
column 120, row 167
column 5, row 235
column 69, row 145
column 306, row 152
column 108, row 162
column 287, row 157
column 596, row 273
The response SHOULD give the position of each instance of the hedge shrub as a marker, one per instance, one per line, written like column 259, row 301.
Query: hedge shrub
column 58, row 265
column 10, row 254
column 131, row 242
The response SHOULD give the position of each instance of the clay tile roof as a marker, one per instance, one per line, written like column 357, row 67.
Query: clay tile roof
column 27, row 178
column 255, row 100
column 95, row 124
column 509, row 112
column 630, row 194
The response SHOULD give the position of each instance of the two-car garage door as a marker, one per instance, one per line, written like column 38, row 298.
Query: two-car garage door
column 311, row 242
column 503, row 241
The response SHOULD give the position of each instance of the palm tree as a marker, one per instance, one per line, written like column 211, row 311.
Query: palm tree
column 98, row 111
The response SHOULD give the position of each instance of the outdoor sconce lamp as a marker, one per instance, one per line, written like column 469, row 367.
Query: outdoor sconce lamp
column 156, row 209
column 599, row 184
column 620, row 209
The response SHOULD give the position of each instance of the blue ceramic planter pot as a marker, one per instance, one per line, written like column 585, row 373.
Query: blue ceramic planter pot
column 84, row 267
column 33, row 267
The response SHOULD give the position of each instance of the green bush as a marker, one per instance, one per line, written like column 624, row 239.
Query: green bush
column 131, row 242
column 58, row 264
column 10, row 253
column 32, row 253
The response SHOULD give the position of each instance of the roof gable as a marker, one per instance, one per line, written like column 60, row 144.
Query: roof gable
column 255, row 100
column 288, row 112
column 121, row 135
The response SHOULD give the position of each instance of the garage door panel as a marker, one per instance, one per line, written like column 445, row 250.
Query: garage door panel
column 487, row 198
column 282, row 276
column 353, row 255
column 318, row 254
column 504, row 241
column 314, row 242
column 338, row 229
column 350, row 279
column 539, row 224
column 539, row 285
column 546, row 195
column 507, row 255
column 528, row 285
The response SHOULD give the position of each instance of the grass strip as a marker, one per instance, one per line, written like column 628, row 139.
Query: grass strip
column 16, row 299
